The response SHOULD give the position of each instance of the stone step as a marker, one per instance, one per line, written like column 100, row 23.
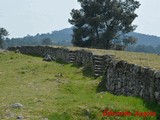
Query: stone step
column 98, row 71
column 98, row 61
column 98, row 58
column 71, row 61
column 97, row 75
column 72, row 58
column 98, row 68
column 71, row 53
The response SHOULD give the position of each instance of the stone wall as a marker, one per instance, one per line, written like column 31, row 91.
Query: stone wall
column 130, row 80
column 120, row 77
column 83, row 57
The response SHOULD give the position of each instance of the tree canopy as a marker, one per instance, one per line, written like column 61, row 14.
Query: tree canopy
column 100, row 23
column 46, row 41
column 3, row 33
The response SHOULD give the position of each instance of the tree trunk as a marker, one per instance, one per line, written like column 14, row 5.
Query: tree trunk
column 97, row 34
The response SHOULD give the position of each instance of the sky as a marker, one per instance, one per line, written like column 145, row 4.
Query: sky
column 29, row 17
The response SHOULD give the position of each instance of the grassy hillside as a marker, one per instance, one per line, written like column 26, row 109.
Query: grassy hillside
column 58, row 92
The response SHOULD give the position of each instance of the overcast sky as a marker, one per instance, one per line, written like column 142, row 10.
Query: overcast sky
column 22, row 17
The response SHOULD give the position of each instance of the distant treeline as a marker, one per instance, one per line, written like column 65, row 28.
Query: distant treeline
column 145, row 43
column 62, row 37
column 145, row 49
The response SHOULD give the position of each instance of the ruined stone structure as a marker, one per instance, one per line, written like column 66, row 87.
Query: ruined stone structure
column 120, row 77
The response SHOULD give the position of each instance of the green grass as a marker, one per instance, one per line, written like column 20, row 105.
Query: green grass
column 58, row 92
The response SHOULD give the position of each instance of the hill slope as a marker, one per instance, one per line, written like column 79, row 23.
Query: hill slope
column 64, row 37
column 146, row 40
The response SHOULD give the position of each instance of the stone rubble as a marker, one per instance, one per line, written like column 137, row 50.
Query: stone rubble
column 17, row 105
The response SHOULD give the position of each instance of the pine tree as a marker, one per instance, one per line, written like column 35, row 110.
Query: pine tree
column 100, row 23
column 3, row 33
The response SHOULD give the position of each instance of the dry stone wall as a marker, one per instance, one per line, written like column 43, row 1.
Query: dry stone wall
column 129, row 79
column 83, row 57
column 120, row 77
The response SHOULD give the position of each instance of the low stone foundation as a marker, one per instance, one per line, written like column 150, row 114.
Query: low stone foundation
column 120, row 77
